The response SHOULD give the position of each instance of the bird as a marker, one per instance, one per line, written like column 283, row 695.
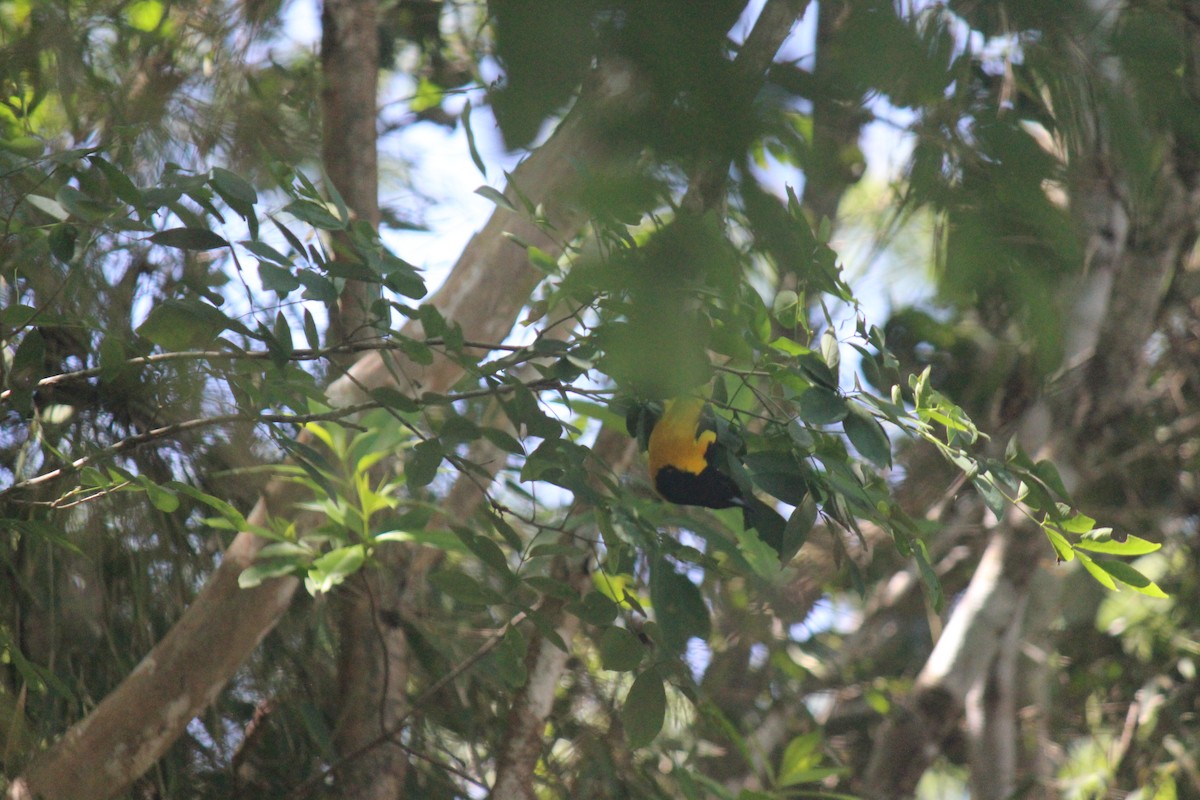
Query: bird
column 684, row 455
column 682, row 447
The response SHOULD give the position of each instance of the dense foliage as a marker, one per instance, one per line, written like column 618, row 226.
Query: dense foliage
column 172, row 252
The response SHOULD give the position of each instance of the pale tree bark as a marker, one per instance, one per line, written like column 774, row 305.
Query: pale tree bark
column 133, row 726
column 1115, row 307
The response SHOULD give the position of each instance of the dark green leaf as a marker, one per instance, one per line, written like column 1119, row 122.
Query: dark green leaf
column 645, row 709
column 466, row 120
column 234, row 189
column 620, row 649
column 422, row 463
column 311, row 336
column 388, row 397
column 821, row 406
column 868, row 437
column 595, row 609
column 678, row 607
column 503, row 440
column 189, row 239
column 29, row 362
column 317, row 215
column 490, row 554
column 461, row 587
column 933, row 585
column 496, row 196
column 80, row 205
column 265, row 252
column 508, row 659
column 62, row 238
column 991, row 494
column 183, row 324
column 277, row 279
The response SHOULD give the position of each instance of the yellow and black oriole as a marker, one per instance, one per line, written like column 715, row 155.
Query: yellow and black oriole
column 684, row 467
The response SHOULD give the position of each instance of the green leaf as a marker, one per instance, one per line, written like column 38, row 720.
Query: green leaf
column 24, row 146
column 62, row 239
column 1102, row 577
column 542, row 260
column 189, row 239
column 316, row 214
column 277, row 279
column 496, row 196
column 389, row 397
column 1129, row 576
column 594, row 608
column 462, row 587
column 1061, row 546
column 441, row 539
column 334, row 567
column 645, row 709
column 80, row 205
column 508, row 659
column 1048, row 473
column 503, row 440
column 311, row 336
column 801, row 754
column 799, row 525
column 868, row 437
column 264, row 252
column 1101, row 541
column 620, row 649
column 678, row 607
column 265, row 570
column 29, row 362
column 161, row 498
column 1078, row 523
column 821, row 406
column 233, row 188
column 815, row 370
column 48, row 206
column 933, row 585
column 16, row 316
column 490, row 554
column 183, row 324
column 779, row 473
column 420, row 468
column 466, row 121
column 830, row 351
column 787, row 309
column 993, row 498
column 119, row 182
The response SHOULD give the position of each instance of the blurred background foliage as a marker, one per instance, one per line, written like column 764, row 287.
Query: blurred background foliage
column 124, row 123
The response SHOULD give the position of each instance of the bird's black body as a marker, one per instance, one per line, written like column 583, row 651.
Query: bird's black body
column 684, row 459
column 710, row 489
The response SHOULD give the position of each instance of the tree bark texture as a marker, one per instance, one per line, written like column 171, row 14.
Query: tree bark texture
column 372, row 673
column 349, row 91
